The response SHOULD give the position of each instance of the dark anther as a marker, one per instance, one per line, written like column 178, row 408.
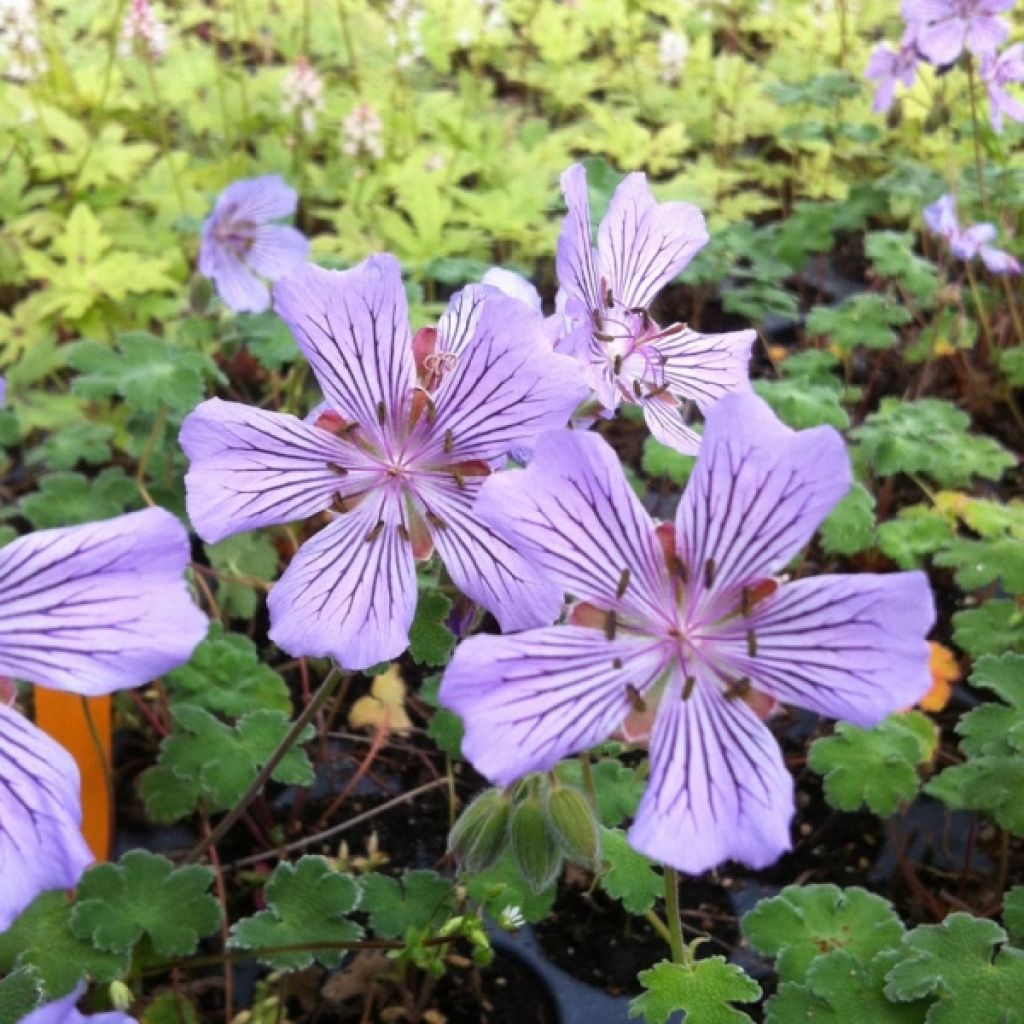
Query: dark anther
column 737, row 689
column 338, row 504
column 751, row 643
column 435, row 520
column 375, row 532
column 449, row 441
column 681, row 571
column 611, row 624
column 460, row 480
column 335, row 468
column 639, row 704
column 616, row 663
column 637, row 390
column 691, row 682
column 617, row 365
column 659, row 390
column 403, row 532
column 431, row 410
column 620, row 590
column 382, row 412
column 602, row 336
column 709, row 573
column 746, row 605
column 609, row 299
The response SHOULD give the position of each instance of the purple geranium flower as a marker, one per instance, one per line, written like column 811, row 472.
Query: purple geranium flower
column 64, row 1011
column 886, row 67
column 241, row 250
column 967, row 243
column 87, row 609
column 641, row 246
column 997, row 72
column 684, row 631
column 943, row 28
column 401, row 462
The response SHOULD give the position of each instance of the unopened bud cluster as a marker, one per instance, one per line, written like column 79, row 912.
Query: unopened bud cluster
column 539, row 821
column 361, row 132
column 142, row 27
column 302, row 93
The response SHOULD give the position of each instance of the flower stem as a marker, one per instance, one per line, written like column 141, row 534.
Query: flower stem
column 974, row 133
column 286, row 744
column 588, row 778
column 165, row 141
column 675, row 923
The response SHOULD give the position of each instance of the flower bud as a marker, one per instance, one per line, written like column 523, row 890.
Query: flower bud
column 575, row 824
column 534, row 844
column 121, row 996
column 479, row 836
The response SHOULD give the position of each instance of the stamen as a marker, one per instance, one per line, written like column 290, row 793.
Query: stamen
column 637, row 390
column 620, row 590
column 609, row 299
column 335, row 468
column 681, row 571
column 431, row 410
column 639, row 704
column 611, row 624
column 382, row 412
column 435, row 520
column 616, row 663
column 338, row 504
column 739, row 688
column 751, row 643
column 403, row 532
column 602, row 336
column 449, row 441
column 655, row 392
column 746, row 605
column 691, row 682
column 617, row 365
column 460, row 480
column 709, row 573
column 375, row 532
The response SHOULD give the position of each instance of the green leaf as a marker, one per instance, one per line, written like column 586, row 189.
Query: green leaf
column 307, row 904
column 67, row 499
column 703, row 989
column 142, row 369
column 979, row 563
column 445, row 727
column 170, row 1009
column 20, row 993
column 840, row 989
column 503, row 886
column 1013, row 913
column 892, row 255
column 957, row 962
column 918, row 531
column 430, row 640
column 225, row 675
column 420, row 899
column 63, row 450
column 864, row 320
column 661, row 460
column 41, row 939
column 244, row 556
column 804, row 922
column 850, row 526
column 992, row 628
column 874, row 767
column 628, row 876
column 801, row 405
column 116, row 904
column 996, row 728
column 929, row 436
column 205, row 759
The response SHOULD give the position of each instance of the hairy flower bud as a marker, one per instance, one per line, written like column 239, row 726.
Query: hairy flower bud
column 121, row 996
column 575, row 824
column 535, row 845
column 479, row 836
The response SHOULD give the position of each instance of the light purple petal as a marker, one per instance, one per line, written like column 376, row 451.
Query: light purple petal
column 514, row 285
column 944, row 41
column 481, row 562
column 238, row 287
column 573, row 513
column 3, row 391
column 704, row 367
column 984, row 34
column 664, row 420
column 576, row 261
column 849, row 647
column 941, row 219
column 41, row 844
column 506, row 386
column 926, row 10
column 718, row 788
column 276, row 250
column 350, row 592
column 64, row 1011
column 644, row 244
column 99, row 607
column 353, row 327
column 530, row 699
column 999, row 262
column 757, row 494
column 459, row 321
column 257, row 200
column 252, row 468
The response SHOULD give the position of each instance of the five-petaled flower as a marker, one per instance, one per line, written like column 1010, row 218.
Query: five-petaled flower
column 86, row 609
column 682, row 631
column 967, row 243
column 641, row 246
column 241, row 250
column 409, row 432
column 65, row 1011
column 944, row 28
column 998, row 70
column 886, row 67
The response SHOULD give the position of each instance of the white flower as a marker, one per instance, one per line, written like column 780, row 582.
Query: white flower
column 21, row 53
column 141, row 25
column 361, row 132
column 673, row 48
column 511, row 918
column 303, row 93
